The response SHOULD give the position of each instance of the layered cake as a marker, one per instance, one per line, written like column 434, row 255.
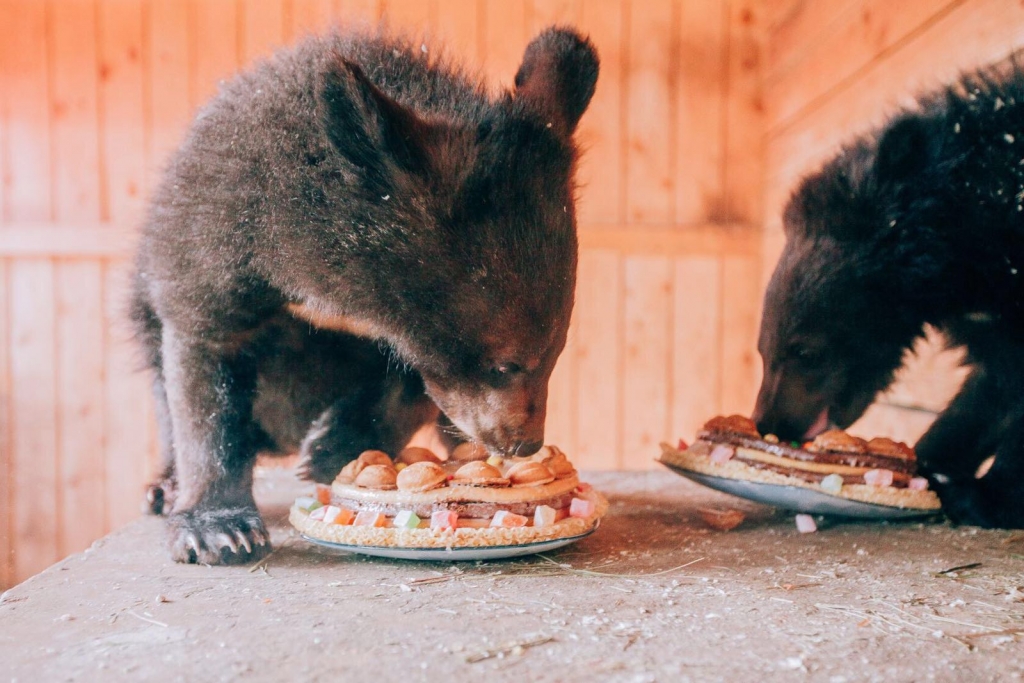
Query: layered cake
column 418, row 500
column 880, row 471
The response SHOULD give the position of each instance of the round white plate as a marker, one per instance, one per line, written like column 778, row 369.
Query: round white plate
column 800, row 499
column 499, row 552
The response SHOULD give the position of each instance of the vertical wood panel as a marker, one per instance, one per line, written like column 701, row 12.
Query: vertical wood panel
column 412, row 18
column 741, row 301
column 169, row 77
column 214, row 48
column 28, row 181
column 560, row 426
column 362, row 13
column 124, row 130
column 505, row 36
column 74, row 109
column 744, row 120
column 262, row 28
column 7, row 538
column 700, row 123
column 546, row 13
column 121, row 96
column 458, row 27
column 33, row 455
column 600, row 133
column 649, row 120
column 697, row 344
column 5, row 171
column 599, row 359
column 307, row 17
column 37, row 512
column 80, row 366
column 129, row 414
column 646, row 390
column 78, row 284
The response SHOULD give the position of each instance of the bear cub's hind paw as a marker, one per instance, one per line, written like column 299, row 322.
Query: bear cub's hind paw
column 218, row 536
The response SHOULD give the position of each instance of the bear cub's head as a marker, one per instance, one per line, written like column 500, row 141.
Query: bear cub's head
column 472, row 276
column 847, row 298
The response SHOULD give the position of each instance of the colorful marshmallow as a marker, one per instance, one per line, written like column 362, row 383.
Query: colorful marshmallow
column 508, row 519
column 918, row 484
column 722, row 454
column 544, row 515
column 581, row 507
column 337, row 515
column 323, row 494
column 370, row 518
column 805, row 524
column 318, row 513
column 878, row 477
column 444, row 519
column 406, row 519
column 833, row 484
column 305, row 502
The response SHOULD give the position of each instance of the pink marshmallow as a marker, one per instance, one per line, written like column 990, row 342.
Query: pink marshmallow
column 444, row 519
column 368, row 518
column 805, row 524
column 918, row 484
column 580, row 507
column 318, row 514
column 878, row 477
column 508, row 519
column 722, row 454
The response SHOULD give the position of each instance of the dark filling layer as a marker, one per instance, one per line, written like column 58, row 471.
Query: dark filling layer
column 899, row 479
column 869, row 460
column 461, row 508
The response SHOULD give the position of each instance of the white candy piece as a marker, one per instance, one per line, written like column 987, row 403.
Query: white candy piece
column 543, row 515
column 833, row 483
column 721, row 454
column 304, row 502
column 918, row 484
column 331, row 513
column 805, row 524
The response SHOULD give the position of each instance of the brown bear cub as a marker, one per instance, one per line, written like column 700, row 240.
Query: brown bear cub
column 354, row 241
column 921, row 223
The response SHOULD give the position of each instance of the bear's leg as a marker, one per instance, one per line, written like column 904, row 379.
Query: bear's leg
column 379, row 415
column 964, row 434
column 997, row 499
column 161, row 493
column 209, row 394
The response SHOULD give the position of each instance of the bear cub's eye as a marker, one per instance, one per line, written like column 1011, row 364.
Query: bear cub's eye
column 506, row 369
column 804, row 353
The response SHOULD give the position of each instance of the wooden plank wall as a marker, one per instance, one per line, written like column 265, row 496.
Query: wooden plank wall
column 95, row 93
column 838, row 68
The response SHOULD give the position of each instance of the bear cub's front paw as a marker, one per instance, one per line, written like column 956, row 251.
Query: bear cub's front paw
column 980, row 502
column 218, row 536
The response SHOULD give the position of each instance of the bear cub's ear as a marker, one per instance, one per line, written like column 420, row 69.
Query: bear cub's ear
column 903, row 149
column 369, row 128
column 558, row 76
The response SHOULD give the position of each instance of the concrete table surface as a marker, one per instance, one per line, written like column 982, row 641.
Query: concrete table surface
column 655, row 595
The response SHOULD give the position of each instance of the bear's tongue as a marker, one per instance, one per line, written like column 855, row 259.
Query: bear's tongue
column 820, row 425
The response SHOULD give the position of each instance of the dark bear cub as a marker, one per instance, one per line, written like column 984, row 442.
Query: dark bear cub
column 921, row 223
column 354, row 241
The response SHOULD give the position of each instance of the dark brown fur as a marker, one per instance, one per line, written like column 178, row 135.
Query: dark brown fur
column 922, row 223
column 358, row 178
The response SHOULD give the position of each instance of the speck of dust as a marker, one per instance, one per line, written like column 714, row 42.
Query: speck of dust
column 1009, row 138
